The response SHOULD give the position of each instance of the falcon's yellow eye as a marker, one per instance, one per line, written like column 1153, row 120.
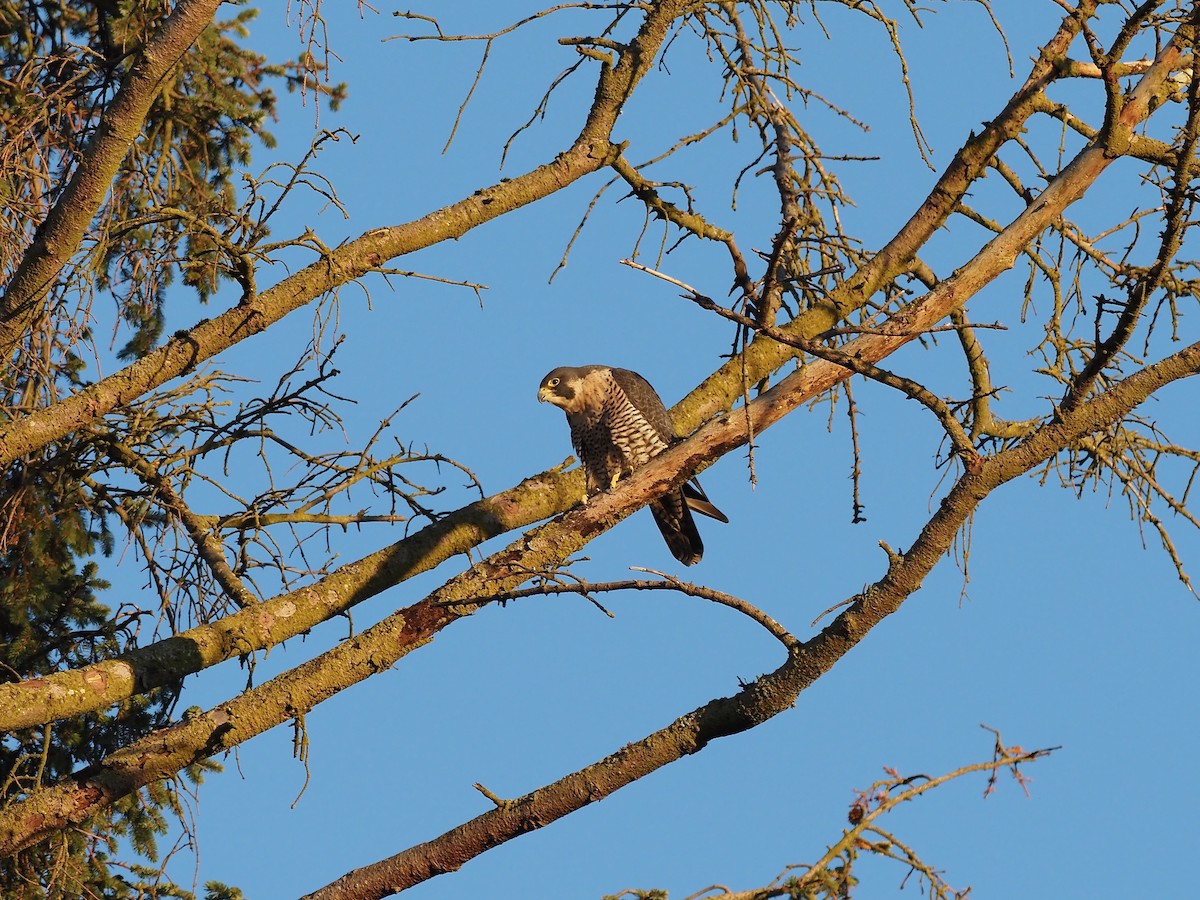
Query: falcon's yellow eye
column 553, row 382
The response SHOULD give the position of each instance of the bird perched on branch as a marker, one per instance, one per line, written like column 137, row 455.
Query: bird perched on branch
column 618, row 423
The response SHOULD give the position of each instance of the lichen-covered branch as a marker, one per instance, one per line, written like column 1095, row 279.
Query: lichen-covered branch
column 773, row 693
column 376, row 649
column 290, row 614
column 725, row 386
column 591, row 150
column 59, row 235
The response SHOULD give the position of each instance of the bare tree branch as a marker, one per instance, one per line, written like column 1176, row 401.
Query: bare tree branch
column 591, row 151
column 213, row 643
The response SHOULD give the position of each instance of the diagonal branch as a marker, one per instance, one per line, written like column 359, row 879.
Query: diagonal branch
column 33, row 702
column 725, row 386
column 953, row 428
column 720, row 390
column 63, row 694
column 208, row 545
column 693, row 222
column 1178, row 207
column 297, row 691
column 591, row 151
column 773, row 693
column 58, row 237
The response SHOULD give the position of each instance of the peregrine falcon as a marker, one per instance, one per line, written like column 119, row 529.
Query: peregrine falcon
column 618, row 423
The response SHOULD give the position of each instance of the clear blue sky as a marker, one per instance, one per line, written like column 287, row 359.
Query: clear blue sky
column 1069, row 633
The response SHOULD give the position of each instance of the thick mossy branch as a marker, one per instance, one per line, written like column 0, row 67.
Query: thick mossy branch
column 36, row 701
column 30, row 703
column 722, row 389
column 376, row 649
column 64, row 228
column 592, row 150
column 1091, row 426
column 61, row 233
column 773, row 693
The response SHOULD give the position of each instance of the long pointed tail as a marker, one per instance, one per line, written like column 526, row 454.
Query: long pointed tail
column 698, row 501
column 678, row 528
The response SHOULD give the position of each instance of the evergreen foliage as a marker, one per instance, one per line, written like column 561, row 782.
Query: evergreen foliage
column 176, row 193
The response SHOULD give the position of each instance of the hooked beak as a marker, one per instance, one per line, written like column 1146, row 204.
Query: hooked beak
column 542, row 393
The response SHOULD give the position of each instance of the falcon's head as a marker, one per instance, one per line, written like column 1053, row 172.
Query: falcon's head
column 562, row 387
